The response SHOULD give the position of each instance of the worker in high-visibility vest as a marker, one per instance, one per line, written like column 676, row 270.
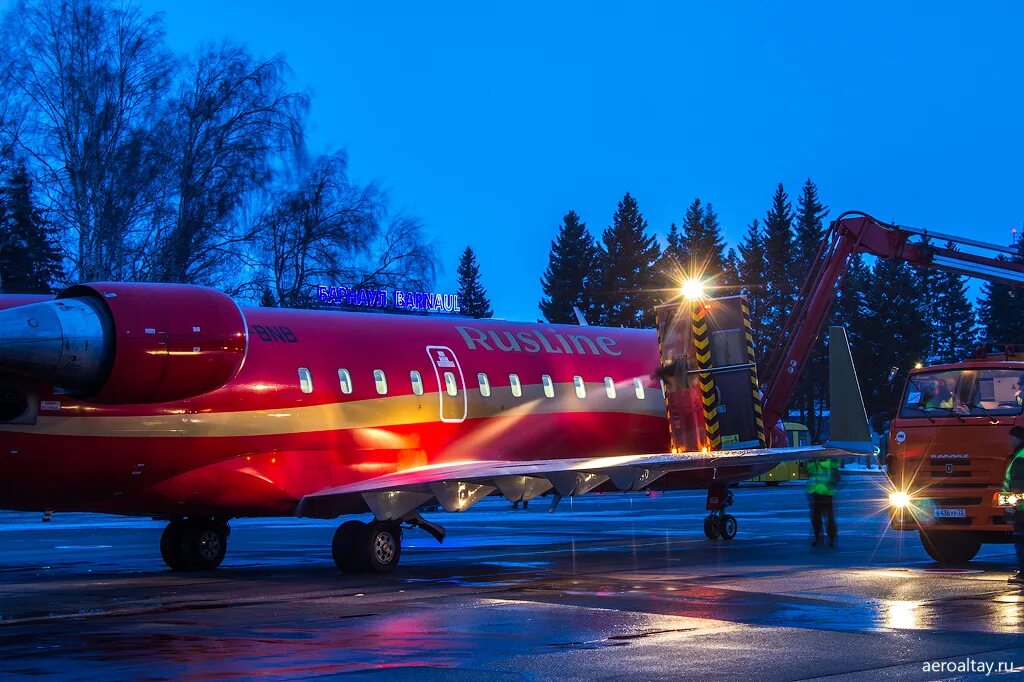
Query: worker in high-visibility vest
column 1013, row 482
column 822, row 478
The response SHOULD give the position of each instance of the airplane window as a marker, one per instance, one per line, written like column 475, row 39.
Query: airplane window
column 417, row 382
column 345, row 379
column 485, row 385
column 581, row 388
column 449, row 384
column 638, row 388
column 381, row 381
column 517, row 388
column 549, row 386
column 305, row 380
column 609, row 387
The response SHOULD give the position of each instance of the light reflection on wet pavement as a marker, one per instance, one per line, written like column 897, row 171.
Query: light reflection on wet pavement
column 609, row 588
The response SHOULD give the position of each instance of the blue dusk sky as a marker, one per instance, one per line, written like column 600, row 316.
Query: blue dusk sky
column 490, row 120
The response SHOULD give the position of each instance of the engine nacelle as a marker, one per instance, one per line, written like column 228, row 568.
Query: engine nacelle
column 127, row 343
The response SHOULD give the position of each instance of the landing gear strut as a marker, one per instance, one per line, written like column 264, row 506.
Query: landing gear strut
column 718, row 524
column 195, row 544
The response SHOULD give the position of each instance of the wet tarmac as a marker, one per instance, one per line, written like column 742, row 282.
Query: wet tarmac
column 609, row 586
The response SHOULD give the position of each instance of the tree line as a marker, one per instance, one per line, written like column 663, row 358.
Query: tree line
column 895, row 315
column 123, row 160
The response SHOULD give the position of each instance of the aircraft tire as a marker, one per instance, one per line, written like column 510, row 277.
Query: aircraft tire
column 347, row 545
column 711, row 527
column 727, row 526
column 950, row 548
column 382, row 543
column 194, row 545
column 205, row 544
column 171, row 548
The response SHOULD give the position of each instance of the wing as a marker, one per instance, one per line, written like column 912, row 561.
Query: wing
column 458, row 485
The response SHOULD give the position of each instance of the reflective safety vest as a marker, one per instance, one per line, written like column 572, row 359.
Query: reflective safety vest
column 1013, row 480
column 822, row 476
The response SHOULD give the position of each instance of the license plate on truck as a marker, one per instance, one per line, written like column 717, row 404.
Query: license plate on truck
column 951, row 513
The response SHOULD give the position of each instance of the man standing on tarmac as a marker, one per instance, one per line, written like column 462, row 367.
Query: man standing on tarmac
column 1013, row 482
column 822, row 478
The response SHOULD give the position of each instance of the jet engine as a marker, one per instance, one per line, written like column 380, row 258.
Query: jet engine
column 126, row 343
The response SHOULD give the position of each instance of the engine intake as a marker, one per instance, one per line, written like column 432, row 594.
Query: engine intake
column 127, row 343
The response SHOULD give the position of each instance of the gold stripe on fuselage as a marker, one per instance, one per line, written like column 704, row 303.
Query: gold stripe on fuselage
column 359, row 414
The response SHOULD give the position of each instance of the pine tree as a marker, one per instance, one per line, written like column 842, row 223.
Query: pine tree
column 267, row 299
column 671, row 268
column 751, row 274
column 901, row 341
column 702, row 251
column 779, row 257
column 1001, row 309
column 30, row 261
column 628, row 257
column 953, row 334
column 812, row 389
column 472, row 296
column 810, row 229
column 572, row 267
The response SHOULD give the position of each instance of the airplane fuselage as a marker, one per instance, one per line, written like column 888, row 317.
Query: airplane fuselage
column 328, row 398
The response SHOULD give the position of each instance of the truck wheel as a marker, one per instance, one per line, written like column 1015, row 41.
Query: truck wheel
column 950, row 548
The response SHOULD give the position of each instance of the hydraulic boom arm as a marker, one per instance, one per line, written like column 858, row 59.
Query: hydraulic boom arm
column 855, row 232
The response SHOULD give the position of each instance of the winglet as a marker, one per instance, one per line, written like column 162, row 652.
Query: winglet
column 579, row 317
column 849, row 422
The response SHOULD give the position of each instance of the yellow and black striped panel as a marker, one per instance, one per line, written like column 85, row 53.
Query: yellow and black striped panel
column 751, row 355
column 709, row 397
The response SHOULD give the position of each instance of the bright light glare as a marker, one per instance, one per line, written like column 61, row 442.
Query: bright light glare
column 692, row 289
column 899, row 499
column 1008, row 499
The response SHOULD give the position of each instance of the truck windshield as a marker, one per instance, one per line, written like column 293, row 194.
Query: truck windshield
column 964, row 392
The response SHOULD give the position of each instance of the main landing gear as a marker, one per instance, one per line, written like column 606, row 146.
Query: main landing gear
column 195, row 544
column 718, row 524
column 375, row 547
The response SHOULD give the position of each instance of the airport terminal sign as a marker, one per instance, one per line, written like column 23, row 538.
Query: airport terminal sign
column 421, row 301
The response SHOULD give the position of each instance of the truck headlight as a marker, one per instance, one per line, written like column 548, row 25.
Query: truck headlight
column 1009, row 499
column 899, row 499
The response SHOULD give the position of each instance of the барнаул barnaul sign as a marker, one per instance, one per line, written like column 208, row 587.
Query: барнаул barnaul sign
column 399, row 299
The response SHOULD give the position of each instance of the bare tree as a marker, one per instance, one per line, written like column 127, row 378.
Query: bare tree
column 329, row 230
column 232, row 115
column 90, row 77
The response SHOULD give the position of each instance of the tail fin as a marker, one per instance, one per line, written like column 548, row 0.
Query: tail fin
column 849, row 422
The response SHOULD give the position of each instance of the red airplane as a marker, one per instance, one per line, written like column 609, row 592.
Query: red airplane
column 171, row 401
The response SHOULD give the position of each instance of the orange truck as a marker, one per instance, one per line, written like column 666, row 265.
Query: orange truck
column 949, row 436
column 948, row 450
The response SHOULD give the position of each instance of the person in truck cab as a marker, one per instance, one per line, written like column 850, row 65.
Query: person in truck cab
column 1018, row 389
column 1013, row 482
column 941, row 397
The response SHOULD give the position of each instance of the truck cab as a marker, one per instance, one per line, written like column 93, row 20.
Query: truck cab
column 948, row 451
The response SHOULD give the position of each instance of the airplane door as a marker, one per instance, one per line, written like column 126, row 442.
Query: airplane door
column 451, row 385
